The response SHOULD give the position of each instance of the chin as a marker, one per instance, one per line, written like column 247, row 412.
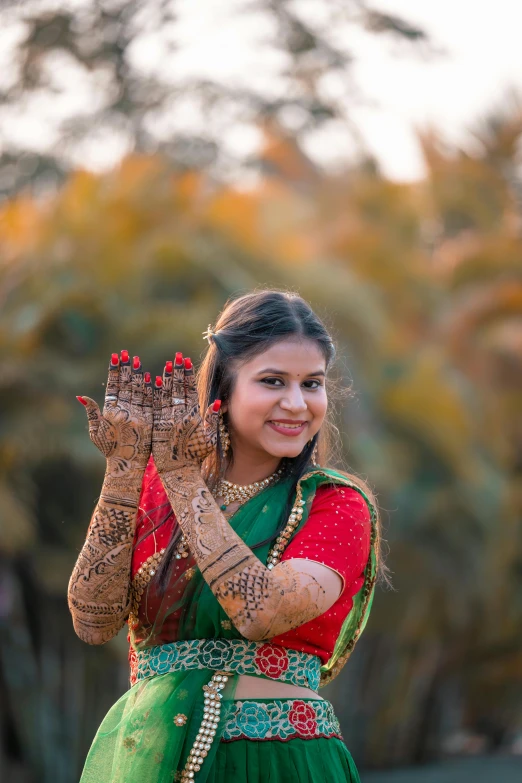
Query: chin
column 282, row 452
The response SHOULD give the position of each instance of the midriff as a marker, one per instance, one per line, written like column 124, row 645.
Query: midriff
column 249, row 687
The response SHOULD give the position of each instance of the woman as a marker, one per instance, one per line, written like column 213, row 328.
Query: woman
column 251, row 568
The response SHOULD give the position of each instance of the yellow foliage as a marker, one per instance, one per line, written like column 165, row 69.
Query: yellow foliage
column 22, row 228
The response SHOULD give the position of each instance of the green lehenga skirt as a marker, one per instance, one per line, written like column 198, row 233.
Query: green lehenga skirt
column 245, row 753
column 314, row 760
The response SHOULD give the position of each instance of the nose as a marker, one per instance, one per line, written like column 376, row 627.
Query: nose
column 293, row 400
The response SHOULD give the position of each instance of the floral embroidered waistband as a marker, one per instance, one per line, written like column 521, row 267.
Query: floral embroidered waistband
column 281, row 719
column 232, row 655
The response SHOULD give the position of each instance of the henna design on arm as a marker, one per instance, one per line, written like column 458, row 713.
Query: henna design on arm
column 98, row 593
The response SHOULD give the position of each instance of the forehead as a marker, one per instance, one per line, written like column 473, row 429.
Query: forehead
column 294, row 356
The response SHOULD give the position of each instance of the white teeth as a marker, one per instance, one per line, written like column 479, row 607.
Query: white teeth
column 288, row 426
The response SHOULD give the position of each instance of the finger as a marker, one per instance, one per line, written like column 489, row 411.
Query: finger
column 178, row 379
column 166, row 395
column 156, row 404
column 191, row 392
column 93, row 414
column 136, row 386
column 148, row 397
column 125, row 378
column 113, row 385
column 211, row 423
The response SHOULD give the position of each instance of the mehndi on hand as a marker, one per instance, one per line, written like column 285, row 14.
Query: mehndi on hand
column 123, row 430
column 180, row 437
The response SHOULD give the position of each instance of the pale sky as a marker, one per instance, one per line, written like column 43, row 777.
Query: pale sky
column 482, row 60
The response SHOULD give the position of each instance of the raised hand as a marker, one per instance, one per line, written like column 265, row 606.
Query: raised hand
column 123, row 431
column 180, row 436
column 98, row 593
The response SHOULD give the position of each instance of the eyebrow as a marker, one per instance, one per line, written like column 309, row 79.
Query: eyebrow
column 281, row 372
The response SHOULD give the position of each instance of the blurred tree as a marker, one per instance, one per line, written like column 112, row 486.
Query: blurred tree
column 78, row 71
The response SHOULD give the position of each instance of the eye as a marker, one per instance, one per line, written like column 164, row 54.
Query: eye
column 312, row 380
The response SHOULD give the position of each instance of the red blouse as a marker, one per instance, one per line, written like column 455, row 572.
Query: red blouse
column 336, row 533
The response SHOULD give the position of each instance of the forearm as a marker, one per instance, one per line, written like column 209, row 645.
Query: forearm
column 98, row 591
column 261, row 603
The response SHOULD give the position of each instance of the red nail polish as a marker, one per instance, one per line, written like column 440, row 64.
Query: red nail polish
column 188, row 364
column 216, row 406
column 146, row 377
column 179, row 358
column 136, row 363
column 80, row 399
column 125, row 356
column 168, row 367
column 114, row 359
column 159, row 381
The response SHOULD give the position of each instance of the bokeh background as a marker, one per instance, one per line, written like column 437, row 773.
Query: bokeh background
column 157, row 157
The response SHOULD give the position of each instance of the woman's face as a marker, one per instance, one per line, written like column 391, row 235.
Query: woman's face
column 281, row 387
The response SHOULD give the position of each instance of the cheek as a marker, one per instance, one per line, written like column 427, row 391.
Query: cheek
column 256, row 400
column 251, row 408
column 319, row 405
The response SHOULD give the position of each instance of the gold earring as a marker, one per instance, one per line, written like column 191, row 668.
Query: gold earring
column 223, row 434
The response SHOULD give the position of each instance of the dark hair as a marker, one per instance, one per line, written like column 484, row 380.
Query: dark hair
column 247, row 326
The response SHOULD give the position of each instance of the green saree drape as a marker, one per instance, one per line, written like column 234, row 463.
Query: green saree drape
column 149, row 733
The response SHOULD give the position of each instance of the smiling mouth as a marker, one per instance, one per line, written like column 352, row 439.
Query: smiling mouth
column 296, row 426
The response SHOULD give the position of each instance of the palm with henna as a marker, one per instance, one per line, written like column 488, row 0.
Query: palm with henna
column 123, row 431
column 98, row 593
column 181, row 438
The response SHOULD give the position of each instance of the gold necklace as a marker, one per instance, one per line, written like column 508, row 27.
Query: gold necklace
column 231, row 492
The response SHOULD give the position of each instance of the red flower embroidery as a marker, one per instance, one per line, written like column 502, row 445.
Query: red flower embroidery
column 302, row 716
column 133, row 665
column 271, row 660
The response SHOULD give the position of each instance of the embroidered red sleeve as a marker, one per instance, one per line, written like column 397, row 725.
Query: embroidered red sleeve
column 153, row 528
column 337, row 533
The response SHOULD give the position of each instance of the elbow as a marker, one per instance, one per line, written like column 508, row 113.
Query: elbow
column 250, row 635
column 88, row 626
column 255, row 633
column 85, row 635
column 248, row 631
column 96, row 636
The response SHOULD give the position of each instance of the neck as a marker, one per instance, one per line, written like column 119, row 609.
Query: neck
column 244, row 472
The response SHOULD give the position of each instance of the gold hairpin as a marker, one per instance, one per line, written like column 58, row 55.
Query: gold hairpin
column 208, row 334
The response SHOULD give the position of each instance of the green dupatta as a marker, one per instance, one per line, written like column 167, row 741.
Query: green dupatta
column 148, row 733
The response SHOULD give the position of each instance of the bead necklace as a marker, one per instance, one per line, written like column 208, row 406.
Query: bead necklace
column 231, row 492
